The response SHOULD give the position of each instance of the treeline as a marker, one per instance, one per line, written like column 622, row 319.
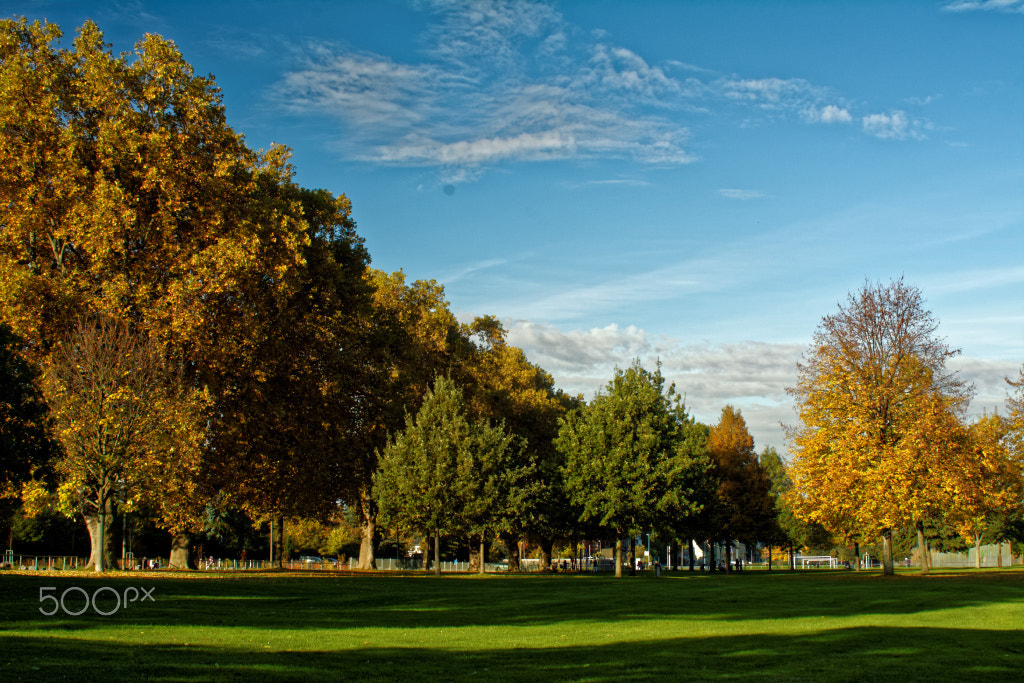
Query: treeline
column 185, row 327
column 190, row 336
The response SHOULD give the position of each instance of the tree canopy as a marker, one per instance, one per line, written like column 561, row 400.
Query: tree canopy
column 445, row 474
column 633, row 457
column 25, row 443
column 876, row 409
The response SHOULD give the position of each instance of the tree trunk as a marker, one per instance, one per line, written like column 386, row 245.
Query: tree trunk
column 887, row 567
column 546, row 547
column 728, row 557
column 101, row 537
column 693, row 553
column 483, row 554
column 181, row 557
column 367, row 531
column 856, row 552
column 769, row 557
column 279, row 541
column 426, row 552
column 512, row 546
column 618, row 556
column 922, row 549
column 999, row 554
column 711, row 556
column 792, row 557
column 437, row 554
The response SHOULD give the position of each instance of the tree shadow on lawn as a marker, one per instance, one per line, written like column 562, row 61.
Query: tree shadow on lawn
column 863, row 653
column 383, row 601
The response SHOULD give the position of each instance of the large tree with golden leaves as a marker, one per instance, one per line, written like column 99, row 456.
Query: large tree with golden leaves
column 124, row 193
column 877, row 410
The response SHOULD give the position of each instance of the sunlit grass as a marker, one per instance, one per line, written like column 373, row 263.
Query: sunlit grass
column 843, row 626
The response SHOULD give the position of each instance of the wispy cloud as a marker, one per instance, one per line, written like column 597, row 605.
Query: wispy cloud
column 510, row 81
column 977, row 280
column 471, row 269
column 610, row 182
column 895, row 125
column 500, row 82
column 743, row 195
column 1010, row 6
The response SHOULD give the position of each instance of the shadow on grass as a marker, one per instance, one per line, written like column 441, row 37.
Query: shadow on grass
column 863, row 653
column 387, row 601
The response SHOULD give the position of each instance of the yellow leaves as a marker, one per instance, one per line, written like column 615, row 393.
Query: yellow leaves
column 35, row 498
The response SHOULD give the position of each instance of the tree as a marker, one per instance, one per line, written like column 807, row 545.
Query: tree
column 414, row 337
column 874, row 400
column 115, row 416
column 505, row 387
column 633, row 458
column 743, row 508
column 789, row 531
column 443, row 474
column 25, row 444
column 295, row 407
column 124, row 193
column 986, row 480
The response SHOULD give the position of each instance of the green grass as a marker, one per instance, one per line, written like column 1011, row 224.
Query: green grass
column 813, row 626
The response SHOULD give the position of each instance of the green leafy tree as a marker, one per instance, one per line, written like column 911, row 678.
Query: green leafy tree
column 630, row 460
column 413, row 337
column 790, row 531
column 507, row 388
column 25, row 444
column 443, row 474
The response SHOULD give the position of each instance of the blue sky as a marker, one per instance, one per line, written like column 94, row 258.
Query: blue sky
column 695, row 182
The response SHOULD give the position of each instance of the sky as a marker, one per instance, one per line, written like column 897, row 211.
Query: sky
column 695, row 183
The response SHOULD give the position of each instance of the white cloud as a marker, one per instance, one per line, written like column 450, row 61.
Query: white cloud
column 473, row 152
column 895, row 125
column 766, row 92
column 829, row 114
column 751, row 376
column 743, row 195
column 1011, row 6
column 509, row 81
column 624, row 73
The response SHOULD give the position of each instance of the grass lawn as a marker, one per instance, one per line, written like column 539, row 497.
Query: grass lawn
column 813, row 626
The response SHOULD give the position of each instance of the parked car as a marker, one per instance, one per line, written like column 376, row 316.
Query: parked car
column 311, row 559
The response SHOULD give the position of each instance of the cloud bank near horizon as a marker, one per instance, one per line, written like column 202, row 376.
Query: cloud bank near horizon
column 751, row 376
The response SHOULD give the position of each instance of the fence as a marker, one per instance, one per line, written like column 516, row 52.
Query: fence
column 42, row 562
column 989, row 557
